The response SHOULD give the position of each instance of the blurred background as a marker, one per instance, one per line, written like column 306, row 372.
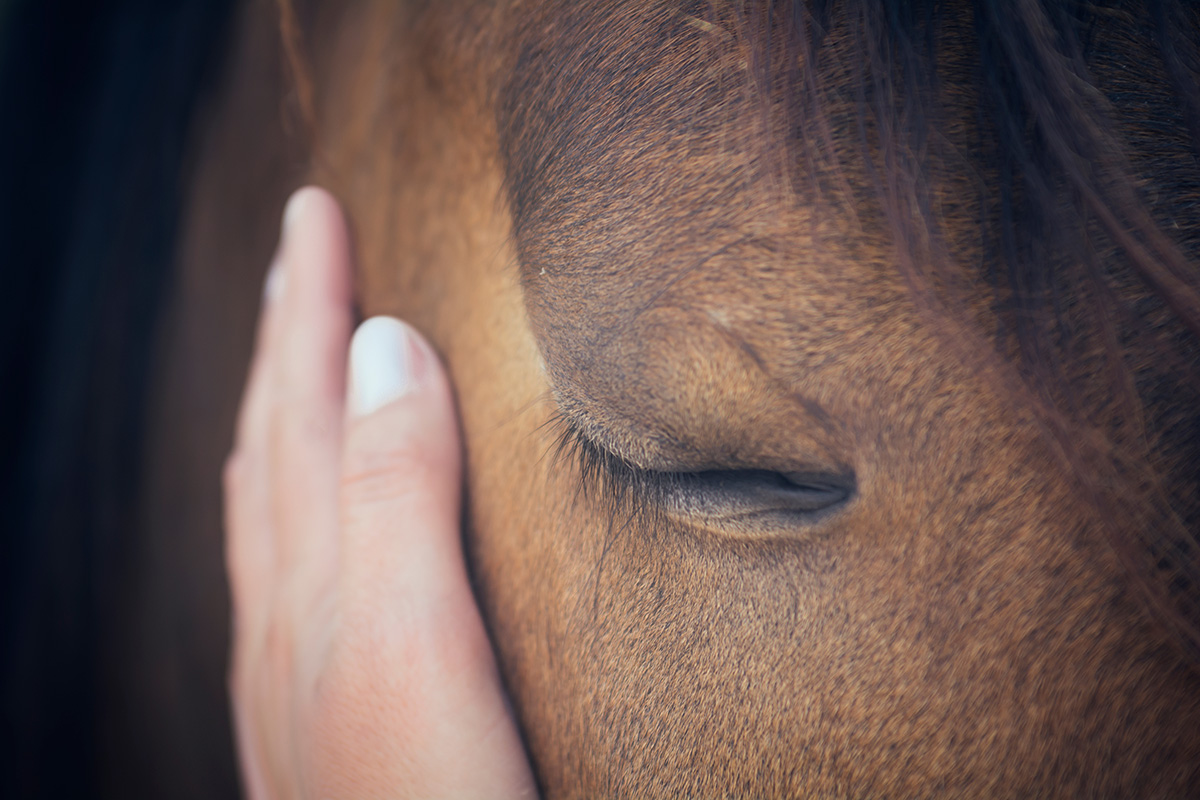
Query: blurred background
column 97, row 98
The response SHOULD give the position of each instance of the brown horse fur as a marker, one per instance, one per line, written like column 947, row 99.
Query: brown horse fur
column 944, row 257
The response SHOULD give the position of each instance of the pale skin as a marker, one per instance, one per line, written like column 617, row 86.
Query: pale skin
column 361, row 667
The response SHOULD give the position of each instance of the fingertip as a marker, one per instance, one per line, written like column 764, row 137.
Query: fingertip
column 401, row 426
column 302, row 203
column 401, row 482
column 314, row 241
column 387, row 362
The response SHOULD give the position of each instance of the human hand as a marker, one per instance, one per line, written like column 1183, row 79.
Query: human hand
column 360, row 666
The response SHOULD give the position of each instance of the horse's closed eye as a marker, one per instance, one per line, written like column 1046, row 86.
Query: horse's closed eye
column 756, row 502
column 725, row 496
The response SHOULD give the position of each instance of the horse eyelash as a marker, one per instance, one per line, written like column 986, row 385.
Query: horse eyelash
column 604, row 478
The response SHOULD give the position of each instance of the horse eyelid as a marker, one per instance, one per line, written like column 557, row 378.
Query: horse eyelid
column 621, row 488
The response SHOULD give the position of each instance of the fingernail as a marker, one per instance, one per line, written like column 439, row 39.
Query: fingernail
column 273, row 286
column 383, row 361
column 276, row 276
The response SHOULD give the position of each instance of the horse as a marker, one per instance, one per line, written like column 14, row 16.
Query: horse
column 827, row 371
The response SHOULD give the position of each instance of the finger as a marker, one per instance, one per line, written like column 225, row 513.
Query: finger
column 255, row 411
column 308, row 380
column 249, row 549
column 249, row 552
column 406, row 597
column 401, row 466
column 248, row 737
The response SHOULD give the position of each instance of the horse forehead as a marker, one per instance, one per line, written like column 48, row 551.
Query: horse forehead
column 636, row 184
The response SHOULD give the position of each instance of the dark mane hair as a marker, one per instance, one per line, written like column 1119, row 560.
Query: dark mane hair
column 1088, row 185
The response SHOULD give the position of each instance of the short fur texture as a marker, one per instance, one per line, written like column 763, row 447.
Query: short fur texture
column 946, row 249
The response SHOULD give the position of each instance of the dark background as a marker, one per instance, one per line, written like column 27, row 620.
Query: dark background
column 96, row 101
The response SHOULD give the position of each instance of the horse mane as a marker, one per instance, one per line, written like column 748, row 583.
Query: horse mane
column 1079, row 261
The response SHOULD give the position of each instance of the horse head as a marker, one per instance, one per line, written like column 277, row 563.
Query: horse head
column 827, row 373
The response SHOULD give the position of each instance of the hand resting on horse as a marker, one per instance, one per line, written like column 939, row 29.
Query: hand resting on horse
column 360, row 665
